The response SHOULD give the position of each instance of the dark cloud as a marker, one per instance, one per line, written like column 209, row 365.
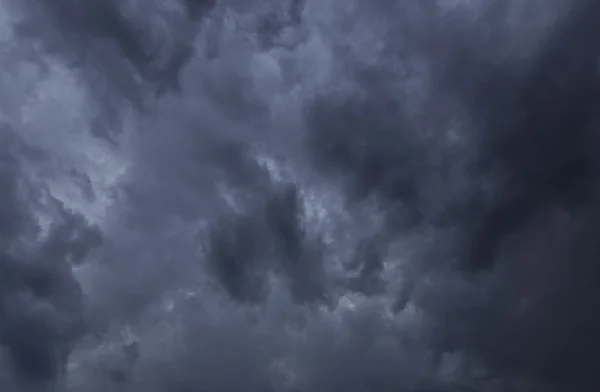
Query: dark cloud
column 540, row 143
column 41, row 304
column 307, row 196
column 12, row 216
column 386, row 161
column 543, row 141
column 113, row 50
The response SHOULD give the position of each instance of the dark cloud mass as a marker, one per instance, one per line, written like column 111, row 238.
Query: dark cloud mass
column 299, row 195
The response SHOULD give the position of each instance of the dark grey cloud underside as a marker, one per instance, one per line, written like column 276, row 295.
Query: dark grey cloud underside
column 109, row 48
column 41, row 312
column 535, row 139
column 539, row 132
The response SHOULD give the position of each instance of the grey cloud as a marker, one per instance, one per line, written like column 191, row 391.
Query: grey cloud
column 403, row 199
column 41, row 303
column 113, row 50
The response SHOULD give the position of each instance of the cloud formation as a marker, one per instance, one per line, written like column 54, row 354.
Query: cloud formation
column 298, row 195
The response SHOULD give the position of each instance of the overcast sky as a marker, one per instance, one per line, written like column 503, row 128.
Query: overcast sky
column 299, row 195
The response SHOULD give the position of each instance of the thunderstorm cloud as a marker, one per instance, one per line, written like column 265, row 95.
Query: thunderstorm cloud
column 299, row 195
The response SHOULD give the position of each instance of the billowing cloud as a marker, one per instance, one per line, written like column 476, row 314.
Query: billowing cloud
column 298, row 195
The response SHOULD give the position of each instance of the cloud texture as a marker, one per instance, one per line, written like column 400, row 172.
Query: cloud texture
column 299, row 195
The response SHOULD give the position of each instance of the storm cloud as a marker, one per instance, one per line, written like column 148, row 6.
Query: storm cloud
column 299, row 195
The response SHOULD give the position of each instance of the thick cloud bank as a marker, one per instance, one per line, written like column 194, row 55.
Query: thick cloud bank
column 299, row 195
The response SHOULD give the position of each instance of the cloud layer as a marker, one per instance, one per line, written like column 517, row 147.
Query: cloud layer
column 298, row 195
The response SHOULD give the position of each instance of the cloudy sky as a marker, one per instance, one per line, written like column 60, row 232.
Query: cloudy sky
column 299, row 195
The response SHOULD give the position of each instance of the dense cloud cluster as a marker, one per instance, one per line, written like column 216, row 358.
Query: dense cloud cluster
column 299, row 195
